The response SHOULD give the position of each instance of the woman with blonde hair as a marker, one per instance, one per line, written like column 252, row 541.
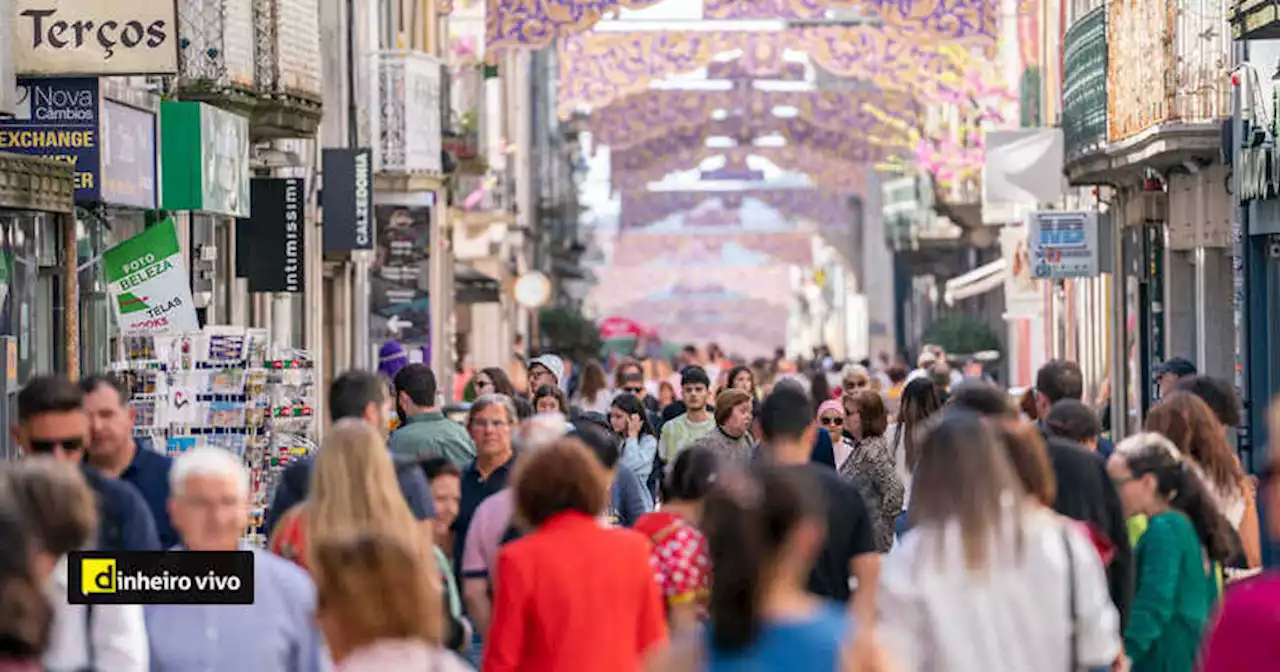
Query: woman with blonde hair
column 353, row 489
column 378, row 610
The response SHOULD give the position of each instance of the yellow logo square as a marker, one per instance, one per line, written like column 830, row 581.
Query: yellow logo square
column 97, row 576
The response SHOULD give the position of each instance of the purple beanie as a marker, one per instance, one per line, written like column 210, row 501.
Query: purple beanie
column 391, row 358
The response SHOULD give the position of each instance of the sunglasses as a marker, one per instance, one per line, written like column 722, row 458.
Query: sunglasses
column 832, row 422
column 48, row 446
column 856, row 384
column 633, row 390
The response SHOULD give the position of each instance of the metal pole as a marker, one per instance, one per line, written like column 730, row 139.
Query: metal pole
column 1119, row 332
column 70, row 297
column 362, row 354
column 1201, row 292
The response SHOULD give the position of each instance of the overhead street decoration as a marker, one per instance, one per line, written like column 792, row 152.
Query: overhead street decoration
column 532, row 24
column 598, row 69
column 657, row 113
column 822, row 209
column 828, row 173
column 746, row 132
column 947, row 18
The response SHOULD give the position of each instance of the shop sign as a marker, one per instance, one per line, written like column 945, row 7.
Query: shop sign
column 400, row 303
column 204, row 159
column 347, row 199
column 128, row 156
column 58, row 119
column 148, row 282
column 271, row 242
column 7, row 97
column 94, row 37
column 1063, row 244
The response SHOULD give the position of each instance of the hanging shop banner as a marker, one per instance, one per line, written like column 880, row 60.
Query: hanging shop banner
column 94, row 37
column 58, row 119
column 128, row 156
column 148, row 281
column 270, row 243
column 400, row 302
column 347, row 199
column 1063, row 244
column 204, row 159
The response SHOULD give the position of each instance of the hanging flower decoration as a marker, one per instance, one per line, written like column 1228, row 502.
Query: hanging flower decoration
column 955, row 150
column 463, row 54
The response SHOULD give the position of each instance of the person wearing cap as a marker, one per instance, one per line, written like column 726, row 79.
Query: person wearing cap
column 545, row 370
column 1170, row 372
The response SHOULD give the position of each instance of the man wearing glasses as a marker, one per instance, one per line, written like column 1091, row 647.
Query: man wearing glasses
column 52, row 422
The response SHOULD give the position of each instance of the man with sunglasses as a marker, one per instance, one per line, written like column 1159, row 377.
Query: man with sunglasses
column 52, row 422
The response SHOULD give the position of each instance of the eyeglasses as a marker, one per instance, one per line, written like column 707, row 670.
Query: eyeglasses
column 46, row 446
column 856, row 384
column 832, row 422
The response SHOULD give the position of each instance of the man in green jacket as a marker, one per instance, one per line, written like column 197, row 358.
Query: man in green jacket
column 425, row 431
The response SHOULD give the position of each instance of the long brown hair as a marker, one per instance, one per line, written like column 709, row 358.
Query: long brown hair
column 1191, row 426
column 964, row 476
column 919, row 401
column 354, row 488
column 593, row 382
column 376, row 586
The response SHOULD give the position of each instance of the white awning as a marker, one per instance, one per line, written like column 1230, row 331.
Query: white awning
column 974, row 283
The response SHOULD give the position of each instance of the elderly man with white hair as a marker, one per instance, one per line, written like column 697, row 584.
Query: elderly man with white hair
column 491, row 525
column 209, row 506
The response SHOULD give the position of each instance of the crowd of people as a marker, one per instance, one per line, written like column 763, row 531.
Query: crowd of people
column 779, row 516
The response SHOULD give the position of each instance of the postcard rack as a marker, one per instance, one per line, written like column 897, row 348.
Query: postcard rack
column 224, row 387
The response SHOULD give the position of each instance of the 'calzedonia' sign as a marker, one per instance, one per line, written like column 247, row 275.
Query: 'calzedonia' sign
column 94, row 37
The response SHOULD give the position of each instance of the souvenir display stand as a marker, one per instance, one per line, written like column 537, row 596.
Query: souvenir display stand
column 224, row 387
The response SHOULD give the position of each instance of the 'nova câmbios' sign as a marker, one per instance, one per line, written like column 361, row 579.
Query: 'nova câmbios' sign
column 94, row 37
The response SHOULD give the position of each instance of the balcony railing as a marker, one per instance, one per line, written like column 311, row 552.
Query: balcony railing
column 217, row 45
column 288, row 47
column 1166, row 65
column 1084, row 84
column 259, row 58
column 407, row 96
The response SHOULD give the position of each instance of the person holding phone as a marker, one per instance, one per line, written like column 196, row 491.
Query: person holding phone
column 630, row 421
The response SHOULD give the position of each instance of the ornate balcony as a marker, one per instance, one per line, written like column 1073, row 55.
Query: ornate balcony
column 258, row 58
column 1084, row 84
column 407, row 124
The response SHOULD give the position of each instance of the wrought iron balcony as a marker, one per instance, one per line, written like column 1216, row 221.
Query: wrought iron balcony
column 407, row 98
column 259, row 58
column 1084, row 84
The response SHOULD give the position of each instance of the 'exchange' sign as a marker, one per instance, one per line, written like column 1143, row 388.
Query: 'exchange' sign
column 94, row 37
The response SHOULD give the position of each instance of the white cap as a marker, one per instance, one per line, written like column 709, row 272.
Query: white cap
column 552, row 363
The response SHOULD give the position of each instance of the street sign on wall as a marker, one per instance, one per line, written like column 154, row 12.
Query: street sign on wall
column 94, row 37
column 128, row 156
column 1064, row 244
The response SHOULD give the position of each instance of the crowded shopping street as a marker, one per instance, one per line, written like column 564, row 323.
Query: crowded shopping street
column 639, row 336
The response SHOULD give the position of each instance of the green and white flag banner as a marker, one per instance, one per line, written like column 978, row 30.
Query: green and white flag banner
column 149, row 285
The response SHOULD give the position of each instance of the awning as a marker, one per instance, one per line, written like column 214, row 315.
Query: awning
column 472, row 286
column 975, row 283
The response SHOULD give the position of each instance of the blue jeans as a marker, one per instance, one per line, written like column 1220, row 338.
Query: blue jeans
column 477, row 649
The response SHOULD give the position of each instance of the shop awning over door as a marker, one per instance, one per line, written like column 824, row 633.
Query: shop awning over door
column 472, row 286
column 975, row 283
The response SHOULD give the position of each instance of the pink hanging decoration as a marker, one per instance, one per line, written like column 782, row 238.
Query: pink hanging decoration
column 473, row 199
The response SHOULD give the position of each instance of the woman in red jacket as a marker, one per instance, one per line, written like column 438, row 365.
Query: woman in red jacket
column 572, row 596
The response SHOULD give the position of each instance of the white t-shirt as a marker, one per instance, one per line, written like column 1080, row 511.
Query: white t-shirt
column 118, row 639
column 937, row 616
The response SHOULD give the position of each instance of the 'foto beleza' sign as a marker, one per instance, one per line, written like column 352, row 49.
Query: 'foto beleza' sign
column 149, row 285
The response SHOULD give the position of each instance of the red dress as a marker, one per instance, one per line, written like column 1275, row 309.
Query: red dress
column 680, row 558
